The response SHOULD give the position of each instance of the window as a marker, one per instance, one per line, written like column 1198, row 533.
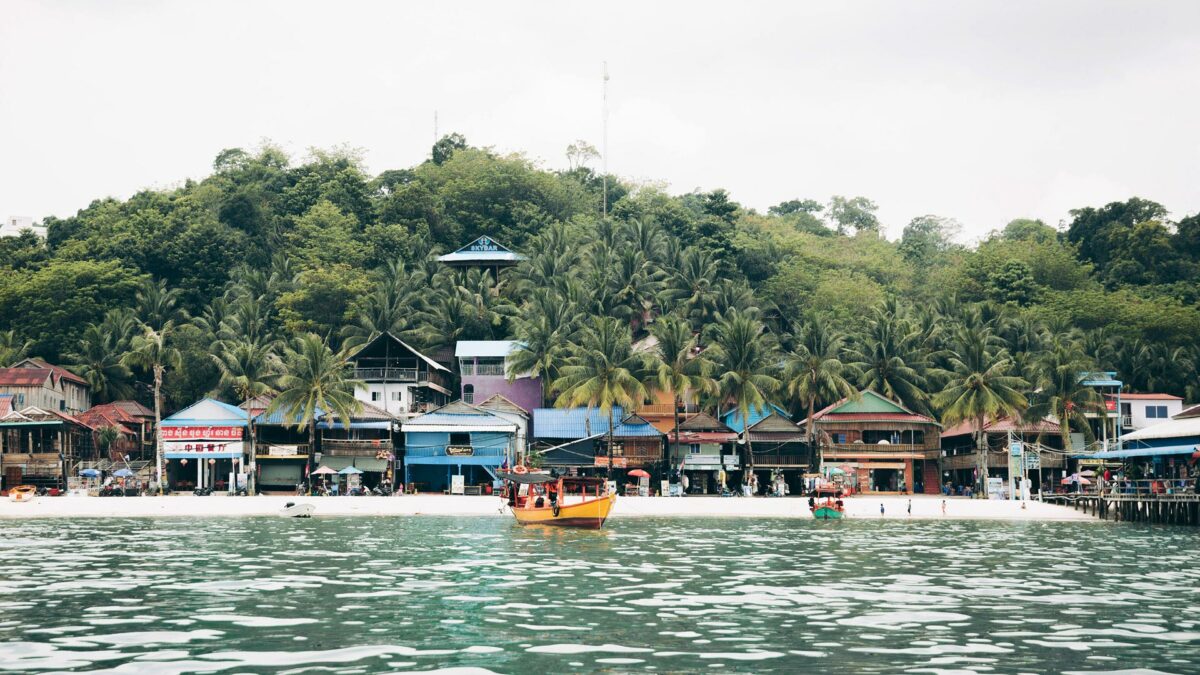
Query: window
column 838, row 438
column 460, row 439
column 62, row 405
column 1156, row 412
column 694, row 448
column 374, row 396
column 396, row 396
column 468, row 393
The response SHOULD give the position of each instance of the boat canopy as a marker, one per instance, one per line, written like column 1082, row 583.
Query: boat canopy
column 526, row 478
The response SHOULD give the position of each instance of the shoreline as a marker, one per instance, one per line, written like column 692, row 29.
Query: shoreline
column 924, row 507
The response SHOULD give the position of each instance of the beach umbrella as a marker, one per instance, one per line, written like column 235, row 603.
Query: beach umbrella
column 350, row 471
column 90, row 473
column 835, row 471
column 123, row 473
column 324, row 471
column 1084, row 481
column 638, row 473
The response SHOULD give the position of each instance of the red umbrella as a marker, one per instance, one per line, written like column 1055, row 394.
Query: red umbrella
column 638, row 473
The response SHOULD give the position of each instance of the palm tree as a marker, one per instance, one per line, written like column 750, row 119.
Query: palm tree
column 315, row 379
column 152, row 351
column 249, row 368
column 889, row 361
column 603, row 372
column 693, row 288
column 12, row 349
column 99, row 361
column 543, row 331
column 980, row 387
column 815, row 372
column 744, row 355
column 157, row 304
column 1060, row 390
column 681, row 367
column 106, row 438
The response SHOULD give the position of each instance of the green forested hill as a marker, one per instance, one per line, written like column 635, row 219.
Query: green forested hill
column 266, row 249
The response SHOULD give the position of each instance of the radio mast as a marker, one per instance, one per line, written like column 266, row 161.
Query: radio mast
column 604, row 148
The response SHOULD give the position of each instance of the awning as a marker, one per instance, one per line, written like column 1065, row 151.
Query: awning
column 370, row 464
column 336, row 463
column 1144, row 452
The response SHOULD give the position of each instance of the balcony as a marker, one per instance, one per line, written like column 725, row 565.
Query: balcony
column 888, row 450
column 668, row 409
column 780, row 460
column 1126, row 421
column 388, row 374
column 483, row 370
column 339, row 447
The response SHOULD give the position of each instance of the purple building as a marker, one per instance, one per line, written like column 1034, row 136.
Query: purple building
column 482, row 367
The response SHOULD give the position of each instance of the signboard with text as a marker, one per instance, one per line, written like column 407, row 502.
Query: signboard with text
column 202, row 433
column 617, row 462
column 460, row 450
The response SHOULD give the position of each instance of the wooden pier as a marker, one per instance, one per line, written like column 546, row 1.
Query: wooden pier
column 1173, row 502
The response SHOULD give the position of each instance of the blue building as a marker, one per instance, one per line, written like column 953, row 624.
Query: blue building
column 456, row 440
column 578, row 437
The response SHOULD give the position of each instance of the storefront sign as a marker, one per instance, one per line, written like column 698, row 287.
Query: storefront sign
column 283, row 451
column 206, row 448
column 204, row 433
column 460, row 450
column 1110, row 404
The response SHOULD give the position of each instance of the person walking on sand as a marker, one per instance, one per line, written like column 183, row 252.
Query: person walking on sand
column 910, row 508
column 881, row 510
column 943, row 507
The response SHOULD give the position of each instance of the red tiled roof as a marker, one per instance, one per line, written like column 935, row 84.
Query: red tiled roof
column 1145, row 397
column 132, row 408
column 58, row 370
column 834, row 418
column 24, row 377
column 5, row 404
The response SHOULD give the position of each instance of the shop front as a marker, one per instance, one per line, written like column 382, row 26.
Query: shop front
column 204, row 447
column 280, row 466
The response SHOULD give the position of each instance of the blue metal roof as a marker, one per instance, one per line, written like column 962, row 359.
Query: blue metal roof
column 207, row 412
column 584, row 422
column 733, row 418
column 1099, row 379
column 276, row 419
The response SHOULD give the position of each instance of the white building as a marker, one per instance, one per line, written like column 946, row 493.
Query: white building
column 1139, row 411
column 13, row 226
column 400, row 379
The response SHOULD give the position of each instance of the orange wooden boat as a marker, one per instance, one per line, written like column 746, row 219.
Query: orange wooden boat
column 542, row 499
column 22, row 493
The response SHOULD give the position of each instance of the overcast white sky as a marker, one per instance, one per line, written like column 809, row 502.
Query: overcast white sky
column 980, row 111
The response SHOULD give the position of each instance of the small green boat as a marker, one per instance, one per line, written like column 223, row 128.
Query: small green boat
column 829, row 508
column 828, row 511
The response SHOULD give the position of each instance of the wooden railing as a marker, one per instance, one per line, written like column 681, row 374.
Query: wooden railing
column 388, row 374
column 344, row 447
column 781, row 460
column 1164, row 488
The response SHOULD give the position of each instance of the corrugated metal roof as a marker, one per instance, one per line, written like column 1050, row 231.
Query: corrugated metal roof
column 207, row 412
column 5, row 404
column 484, row 348
column 585, row 422
column 58, row 370
column 733, row 418
column 1186, row 427
column 834, row 418
column 277, row 419
column 482, row 256
column 1144, row 397
column 1004, row 425
column 24, row 377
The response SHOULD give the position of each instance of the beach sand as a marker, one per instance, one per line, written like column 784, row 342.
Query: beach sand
column 860, row 507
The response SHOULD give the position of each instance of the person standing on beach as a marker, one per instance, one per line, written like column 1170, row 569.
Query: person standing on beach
column 910, row 508
column 943, row 507
column 881, row 510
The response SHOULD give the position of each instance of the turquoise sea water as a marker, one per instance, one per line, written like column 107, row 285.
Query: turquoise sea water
column 356, row 595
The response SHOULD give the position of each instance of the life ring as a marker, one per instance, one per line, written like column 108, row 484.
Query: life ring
column 520, row 468
column 554, row 508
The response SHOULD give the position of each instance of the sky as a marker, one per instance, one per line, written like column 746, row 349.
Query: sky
column 980, row 111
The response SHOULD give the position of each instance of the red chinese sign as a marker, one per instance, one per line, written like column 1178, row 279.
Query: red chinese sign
column 205, row 433
column 617, row 462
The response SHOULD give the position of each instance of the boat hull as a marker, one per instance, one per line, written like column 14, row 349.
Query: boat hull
column 22, row 493
column 589, row 514
column 826, row 513
column 298, row 511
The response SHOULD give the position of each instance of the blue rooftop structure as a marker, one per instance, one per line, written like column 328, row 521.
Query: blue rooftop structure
column 484, row 251
column 1100, row 379
column 207, row 412
column 575, row 423
column 733, row 418
column 277, row 419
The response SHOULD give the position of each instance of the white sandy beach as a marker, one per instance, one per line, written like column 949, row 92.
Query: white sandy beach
column 923, row 507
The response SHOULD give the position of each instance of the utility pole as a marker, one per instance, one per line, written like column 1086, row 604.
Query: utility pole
column 604, row 148
column 435, row 127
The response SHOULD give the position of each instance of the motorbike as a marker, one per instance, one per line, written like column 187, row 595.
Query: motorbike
column 382, row 491
column 202, row 491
